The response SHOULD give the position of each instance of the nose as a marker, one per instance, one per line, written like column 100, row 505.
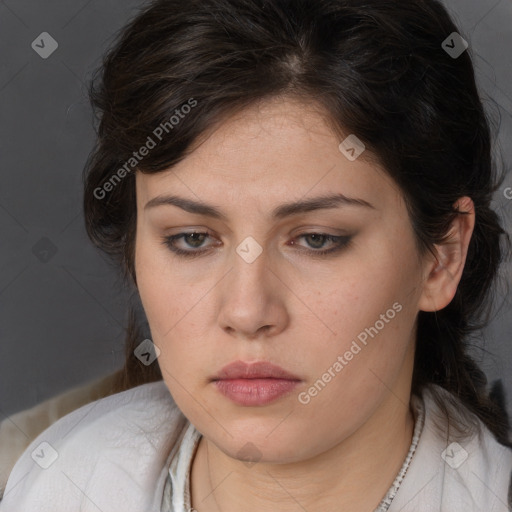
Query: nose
column 253, row 297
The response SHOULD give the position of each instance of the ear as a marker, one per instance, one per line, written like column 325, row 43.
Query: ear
column 443, row 273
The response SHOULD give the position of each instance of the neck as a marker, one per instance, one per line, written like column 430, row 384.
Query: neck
column 353, row 475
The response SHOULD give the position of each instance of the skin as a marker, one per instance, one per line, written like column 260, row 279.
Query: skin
column 343, row 449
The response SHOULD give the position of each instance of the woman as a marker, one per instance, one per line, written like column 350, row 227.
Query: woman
column 299, row 191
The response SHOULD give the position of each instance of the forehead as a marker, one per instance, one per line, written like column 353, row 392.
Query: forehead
column 271, row 151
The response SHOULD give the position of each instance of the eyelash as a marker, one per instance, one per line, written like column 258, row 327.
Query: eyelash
column 341, row 242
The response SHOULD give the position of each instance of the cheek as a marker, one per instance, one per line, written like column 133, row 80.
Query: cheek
column 360, row 292
column 369, row 308
column 174, row 310
column 166, row 296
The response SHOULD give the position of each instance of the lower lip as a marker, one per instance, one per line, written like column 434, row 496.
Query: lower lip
column 255, row 391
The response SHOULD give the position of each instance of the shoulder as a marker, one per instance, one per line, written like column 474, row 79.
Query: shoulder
column 451, row 470
column 110, row 454
column 19, row 429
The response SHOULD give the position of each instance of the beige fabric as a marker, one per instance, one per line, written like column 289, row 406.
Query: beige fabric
column 21, row 428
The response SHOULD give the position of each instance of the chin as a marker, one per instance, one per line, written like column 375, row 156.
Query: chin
column 260, row 441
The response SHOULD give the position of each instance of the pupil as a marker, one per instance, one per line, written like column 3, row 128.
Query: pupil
column 318, row 238
column 196, row 235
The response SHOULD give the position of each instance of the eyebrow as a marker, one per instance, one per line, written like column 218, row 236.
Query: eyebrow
column 280, row 212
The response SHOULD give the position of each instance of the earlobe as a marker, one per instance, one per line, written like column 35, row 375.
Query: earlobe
column 443, row 273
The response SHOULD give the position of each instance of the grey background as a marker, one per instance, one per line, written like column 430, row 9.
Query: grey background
column 62, row 306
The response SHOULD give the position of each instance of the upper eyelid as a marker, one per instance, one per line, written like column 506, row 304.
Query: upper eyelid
column 182, row 235
column 210, row 234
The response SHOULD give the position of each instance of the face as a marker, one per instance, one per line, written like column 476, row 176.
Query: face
column 328, row 294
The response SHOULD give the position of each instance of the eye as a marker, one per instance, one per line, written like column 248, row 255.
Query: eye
column 319, row 239
column 195, row 240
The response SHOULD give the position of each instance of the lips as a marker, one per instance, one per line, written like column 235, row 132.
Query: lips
column 258, row 370
column 255, row 384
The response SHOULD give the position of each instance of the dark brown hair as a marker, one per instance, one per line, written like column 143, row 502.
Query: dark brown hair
column 377, row 69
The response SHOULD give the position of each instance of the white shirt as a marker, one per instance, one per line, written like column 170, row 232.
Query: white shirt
column 131, row 452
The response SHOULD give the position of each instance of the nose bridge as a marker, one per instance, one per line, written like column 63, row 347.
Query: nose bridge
column 249, row 294
column 249, row 290
column 250, row 263
column 252, row 301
